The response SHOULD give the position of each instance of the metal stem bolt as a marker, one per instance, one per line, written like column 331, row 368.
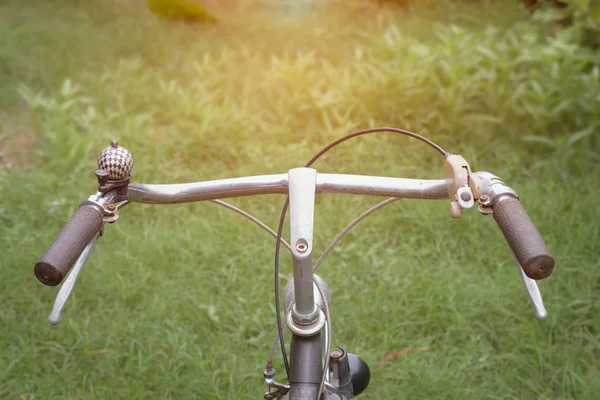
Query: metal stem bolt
column 114, row 143
column 301, row 246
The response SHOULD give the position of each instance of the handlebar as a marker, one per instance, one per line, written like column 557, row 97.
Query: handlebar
column 520, row 233
column 523, row 238
column 56, row 262
column 279, row 184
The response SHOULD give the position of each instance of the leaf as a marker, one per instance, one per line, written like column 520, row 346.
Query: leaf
column 327, row 99
column 99, row 351
column 550, row 15
column 487, row 52
column 576, row 137
column 420, row 50
column 358, row 53
column 212, row 313
column 67, row 88
column 484, row 118
column 563, row 105
column 540, row 140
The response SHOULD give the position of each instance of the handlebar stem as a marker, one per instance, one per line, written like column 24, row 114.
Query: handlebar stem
column 305, row 317
column 305, row 320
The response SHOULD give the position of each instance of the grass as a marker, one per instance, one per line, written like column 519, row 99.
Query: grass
column 176, row 302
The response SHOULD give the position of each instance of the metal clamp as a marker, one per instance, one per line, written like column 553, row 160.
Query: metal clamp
column 111, row 211
column 104, row 203
column 308, row 328
column 275, row 390
column 493, row 190
column 105, row 185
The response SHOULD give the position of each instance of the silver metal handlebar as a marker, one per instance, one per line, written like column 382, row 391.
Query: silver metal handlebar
column 279, row 184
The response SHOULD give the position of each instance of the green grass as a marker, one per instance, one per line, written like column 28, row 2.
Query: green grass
column 176, row 301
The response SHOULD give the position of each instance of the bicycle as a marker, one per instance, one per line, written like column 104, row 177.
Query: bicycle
column 314, row 370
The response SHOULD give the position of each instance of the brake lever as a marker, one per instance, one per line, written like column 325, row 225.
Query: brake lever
column 464, row 186
column 533, row 291
column 67, row 287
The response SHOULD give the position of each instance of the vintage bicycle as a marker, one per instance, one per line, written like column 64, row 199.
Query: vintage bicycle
column 313, row 369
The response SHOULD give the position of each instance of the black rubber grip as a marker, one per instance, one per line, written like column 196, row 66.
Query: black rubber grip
column 54, row 264
column 524, row 240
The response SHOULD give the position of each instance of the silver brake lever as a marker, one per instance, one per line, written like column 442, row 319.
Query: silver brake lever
column 67, row 287
column 533, row 291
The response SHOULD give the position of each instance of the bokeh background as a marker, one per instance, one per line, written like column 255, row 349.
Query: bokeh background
column 176, row 301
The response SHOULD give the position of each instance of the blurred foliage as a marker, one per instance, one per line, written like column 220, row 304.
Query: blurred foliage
column 518, row 82
column 493, row 85
column 579, row 20
column 188, row 10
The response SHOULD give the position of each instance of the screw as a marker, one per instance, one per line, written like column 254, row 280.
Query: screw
column 301, row 246
column 110, row 207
